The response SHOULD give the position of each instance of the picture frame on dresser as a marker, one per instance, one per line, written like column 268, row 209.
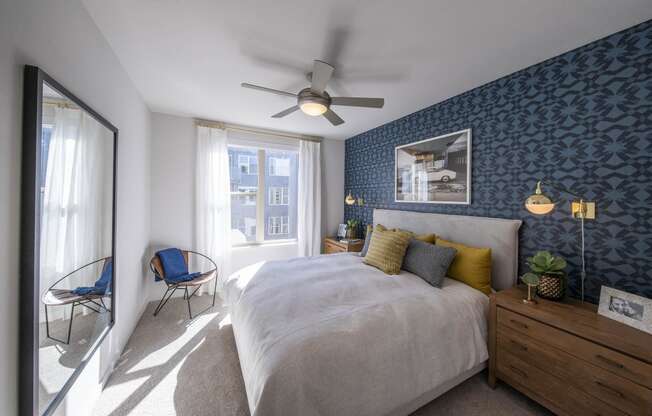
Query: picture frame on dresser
column 436, row 170
column 626, row 308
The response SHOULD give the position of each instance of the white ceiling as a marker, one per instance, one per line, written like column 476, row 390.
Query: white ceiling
column 189, row 57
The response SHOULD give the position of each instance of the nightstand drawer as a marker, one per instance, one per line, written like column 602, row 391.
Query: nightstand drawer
column 330, row 248
column 559, row 395
column 612, row 361
column 599, row 383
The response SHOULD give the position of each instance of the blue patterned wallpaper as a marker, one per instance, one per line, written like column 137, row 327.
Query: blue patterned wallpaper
column 582, row 119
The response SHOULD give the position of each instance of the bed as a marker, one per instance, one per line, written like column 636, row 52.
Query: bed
column 329, row 335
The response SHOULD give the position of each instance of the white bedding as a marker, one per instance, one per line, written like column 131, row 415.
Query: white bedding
column 329, row 335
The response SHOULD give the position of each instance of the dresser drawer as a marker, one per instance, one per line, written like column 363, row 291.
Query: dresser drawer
column 601, row 384
column 561, row 397
column 330, row 248
column 612, row 361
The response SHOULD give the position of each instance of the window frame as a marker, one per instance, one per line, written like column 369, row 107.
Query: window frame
column 261, row 155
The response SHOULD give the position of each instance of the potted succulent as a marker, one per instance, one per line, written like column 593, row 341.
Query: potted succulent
column 549, row 270
column 351, row 228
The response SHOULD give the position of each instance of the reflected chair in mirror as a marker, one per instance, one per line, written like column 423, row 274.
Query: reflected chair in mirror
column 162, row 265
column 91, row 297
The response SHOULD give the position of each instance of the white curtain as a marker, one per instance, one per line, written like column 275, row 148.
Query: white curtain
column 213, row 197
column 309, row 209
column 76, row 202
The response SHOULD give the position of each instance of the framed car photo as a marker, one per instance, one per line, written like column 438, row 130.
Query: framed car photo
column 627, row 308
column 435, row 170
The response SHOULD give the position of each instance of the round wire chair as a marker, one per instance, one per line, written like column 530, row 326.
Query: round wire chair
column 189, row 287
column 61, row 297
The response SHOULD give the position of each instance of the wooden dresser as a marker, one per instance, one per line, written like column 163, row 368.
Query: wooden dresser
column 568, row 358
column 333, row 245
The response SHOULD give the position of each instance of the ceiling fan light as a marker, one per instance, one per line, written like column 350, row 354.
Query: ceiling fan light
column 313, row 108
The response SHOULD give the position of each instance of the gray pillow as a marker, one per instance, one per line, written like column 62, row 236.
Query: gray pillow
column 367, row 240
column 428, row 261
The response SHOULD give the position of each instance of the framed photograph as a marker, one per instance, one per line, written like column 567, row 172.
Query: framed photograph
column 630, row 309
column 341, row 231
column 436, row 170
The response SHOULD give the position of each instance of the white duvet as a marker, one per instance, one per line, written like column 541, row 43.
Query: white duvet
column 329, row 335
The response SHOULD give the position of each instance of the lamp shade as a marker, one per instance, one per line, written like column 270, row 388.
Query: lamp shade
column 349, row 200
column 538, row 203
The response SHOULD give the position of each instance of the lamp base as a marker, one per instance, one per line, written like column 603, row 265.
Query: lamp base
column 588, row 213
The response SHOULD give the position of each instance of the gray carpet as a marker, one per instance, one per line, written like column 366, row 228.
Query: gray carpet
column 58, row 361
column 173, row 366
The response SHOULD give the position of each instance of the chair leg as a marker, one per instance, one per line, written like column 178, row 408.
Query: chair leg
column 47, row 323
column 72, row 316
column 193, row 294
column 47, row 326
column 188, row 301
column 164, row 300
column 214, row 292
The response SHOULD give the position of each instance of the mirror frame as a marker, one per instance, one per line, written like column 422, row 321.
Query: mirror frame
column 29, row 291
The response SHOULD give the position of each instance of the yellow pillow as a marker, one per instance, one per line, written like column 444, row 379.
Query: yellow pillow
column 387, row 249
column 471, row 265
column 428, row 238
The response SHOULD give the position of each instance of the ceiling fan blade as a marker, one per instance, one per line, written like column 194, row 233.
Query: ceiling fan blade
column 286, row 112
column 265, row 89
column 321, row 74
column 358, row 102
column 333, row 118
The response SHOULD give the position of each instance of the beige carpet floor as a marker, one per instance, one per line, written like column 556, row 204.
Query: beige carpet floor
column 173, row 366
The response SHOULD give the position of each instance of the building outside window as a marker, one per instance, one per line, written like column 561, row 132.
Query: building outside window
column 248, row 164
column 264, row 185
column 278, row 225
column 278, row 195
column 279, row 166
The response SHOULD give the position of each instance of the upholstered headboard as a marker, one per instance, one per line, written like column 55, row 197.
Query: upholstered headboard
column 501, row 235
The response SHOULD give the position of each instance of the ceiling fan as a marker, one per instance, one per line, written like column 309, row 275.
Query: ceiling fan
column 315, row 101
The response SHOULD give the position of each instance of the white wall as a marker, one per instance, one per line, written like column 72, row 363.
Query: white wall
column 173, row 170
column 332, row 203
column 60, row 37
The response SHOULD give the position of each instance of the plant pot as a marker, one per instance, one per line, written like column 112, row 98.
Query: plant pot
column 350, row 233
column 551, row 287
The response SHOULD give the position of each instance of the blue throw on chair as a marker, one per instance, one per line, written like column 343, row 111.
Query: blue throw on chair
column 102, row 285
column 171, row 266
column 174, row 266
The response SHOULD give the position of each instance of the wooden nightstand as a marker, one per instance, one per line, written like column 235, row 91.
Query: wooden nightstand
column 333, row 245
column 568, row 358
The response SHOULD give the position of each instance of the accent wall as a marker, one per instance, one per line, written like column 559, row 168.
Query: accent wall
column 582, row 119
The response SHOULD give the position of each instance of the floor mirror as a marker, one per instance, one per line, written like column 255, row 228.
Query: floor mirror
column 67, row 262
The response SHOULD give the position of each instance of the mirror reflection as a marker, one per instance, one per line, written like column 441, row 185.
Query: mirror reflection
column 76, row 239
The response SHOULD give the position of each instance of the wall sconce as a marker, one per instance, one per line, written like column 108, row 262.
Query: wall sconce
column 351, row 200
column 540, row 204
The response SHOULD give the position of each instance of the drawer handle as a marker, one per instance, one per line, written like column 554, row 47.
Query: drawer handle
column 517, row 323
column 519, row 345
column 609, row 361
column 611, row 389
column 518, row 371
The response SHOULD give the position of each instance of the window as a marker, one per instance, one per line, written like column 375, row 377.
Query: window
column 264, row 186
column 248, row 164
column 278, row 225
column 279, row 166
column 278, row 195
